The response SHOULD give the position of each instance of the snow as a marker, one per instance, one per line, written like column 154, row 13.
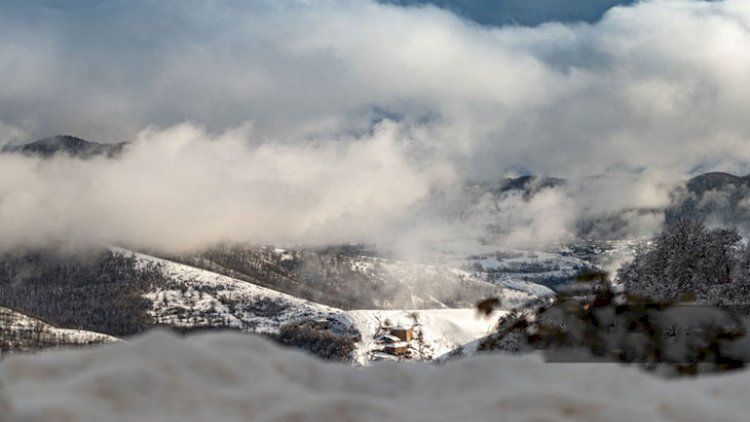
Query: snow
column 236, row 377
column 195, row 298
column 530, row 288
column 507, row 267
column 15, row 324
column 202, row 298
column 419, row 280
column 444, row 330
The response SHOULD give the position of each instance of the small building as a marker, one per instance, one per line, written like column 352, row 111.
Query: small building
column 403, row 333
column 397, row 349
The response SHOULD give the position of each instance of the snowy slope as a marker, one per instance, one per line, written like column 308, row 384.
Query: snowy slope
column 346, row 278
column 425, row 285
column 198, row 298
column 230, row 377
column 20, row 332
column 443, row 330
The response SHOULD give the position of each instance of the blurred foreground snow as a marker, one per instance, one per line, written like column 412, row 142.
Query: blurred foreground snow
column 236, row 377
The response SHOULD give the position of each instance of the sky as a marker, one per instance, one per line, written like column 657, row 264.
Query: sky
column 485, row 12
column 319, row 121
column 522, row 12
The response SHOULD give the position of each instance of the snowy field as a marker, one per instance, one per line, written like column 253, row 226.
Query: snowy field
column 444, row 330
column 233, row 377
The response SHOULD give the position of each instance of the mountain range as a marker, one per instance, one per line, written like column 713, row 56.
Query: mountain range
column 68, row 145
column 343, row 291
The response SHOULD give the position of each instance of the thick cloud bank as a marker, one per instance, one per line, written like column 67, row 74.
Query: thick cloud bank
column 320, row 120
column 161, row 377
column 182, row 189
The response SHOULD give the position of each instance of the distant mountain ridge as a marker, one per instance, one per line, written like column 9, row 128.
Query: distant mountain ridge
column 531, row 183
column 714, row 180
column 718, row 198
column 65, row 144
column 528, row 185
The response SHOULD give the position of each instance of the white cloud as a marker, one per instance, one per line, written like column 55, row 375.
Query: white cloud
column 183, row 188
column 650, row 91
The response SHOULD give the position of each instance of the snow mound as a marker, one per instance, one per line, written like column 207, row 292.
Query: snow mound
column 235, row 377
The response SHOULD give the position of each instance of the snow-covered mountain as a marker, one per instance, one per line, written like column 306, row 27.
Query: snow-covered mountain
column 21, row 333
column 194, row 298
column 719, row 198
column 347, row 277
column 123, row 292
